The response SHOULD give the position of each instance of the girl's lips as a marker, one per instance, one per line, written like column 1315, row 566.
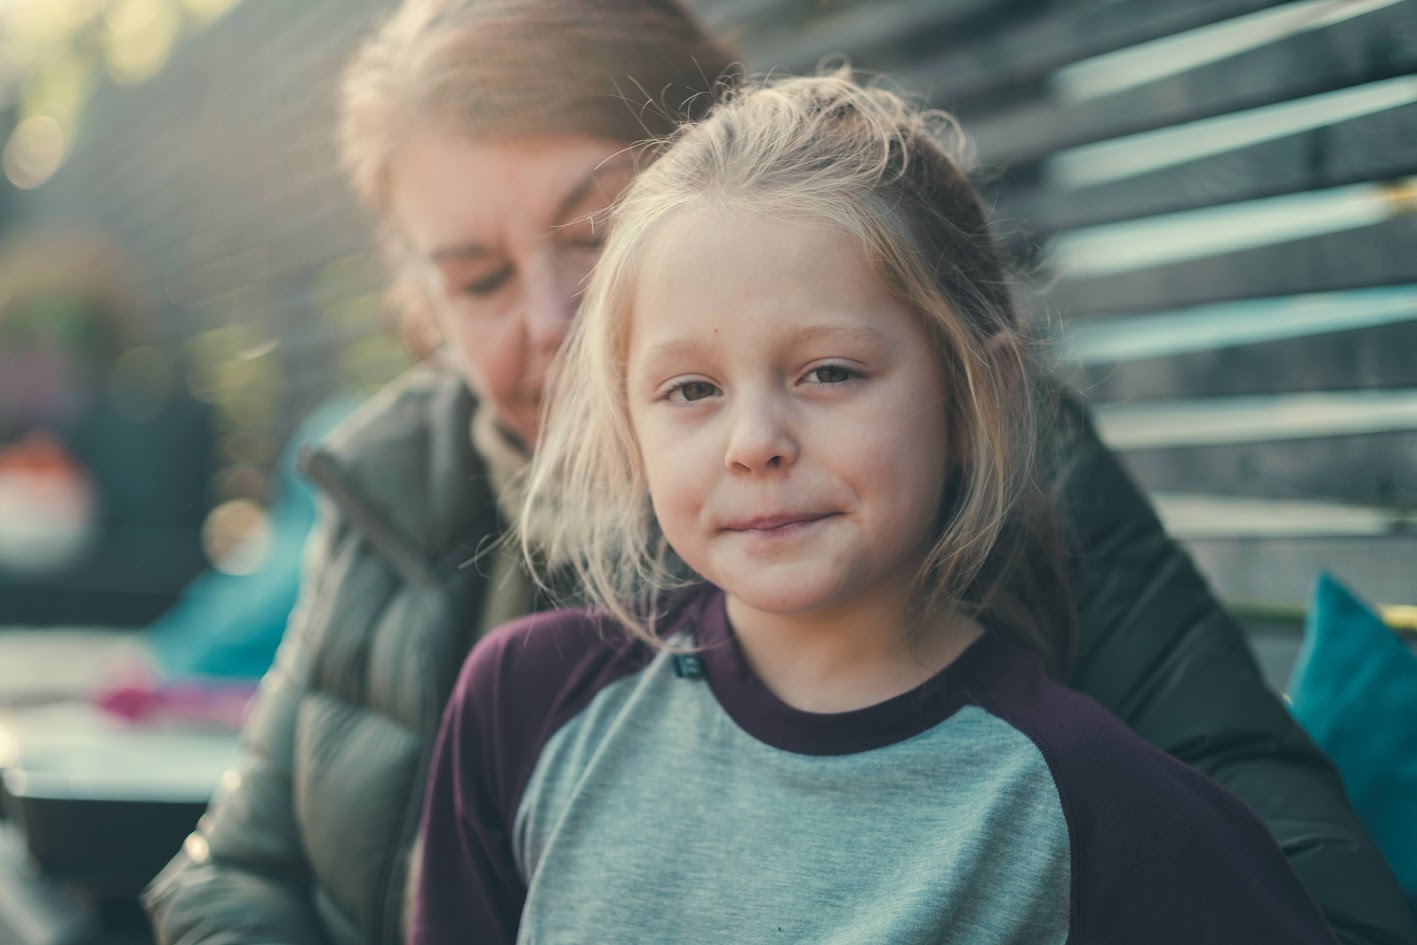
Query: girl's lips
column 775, row 523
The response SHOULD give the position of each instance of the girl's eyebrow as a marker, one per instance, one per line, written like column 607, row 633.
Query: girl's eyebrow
column 674, row 349
column 684, row 348
column 847, row 334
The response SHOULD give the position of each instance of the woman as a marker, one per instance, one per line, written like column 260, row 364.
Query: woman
column 492, row 135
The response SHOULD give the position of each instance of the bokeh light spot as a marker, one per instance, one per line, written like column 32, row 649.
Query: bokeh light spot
column 141, row 34
column 236, row 537
column 209, row 9
column 34, row 152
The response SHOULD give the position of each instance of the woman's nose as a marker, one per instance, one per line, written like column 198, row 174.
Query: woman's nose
column 549, row 303
column 761, row 438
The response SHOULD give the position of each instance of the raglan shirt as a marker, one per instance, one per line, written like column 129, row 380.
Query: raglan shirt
column 589, row 788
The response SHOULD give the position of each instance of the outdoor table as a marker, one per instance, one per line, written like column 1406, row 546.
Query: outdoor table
column 94, row 804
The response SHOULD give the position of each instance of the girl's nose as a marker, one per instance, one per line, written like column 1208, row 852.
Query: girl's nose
column 761, row 439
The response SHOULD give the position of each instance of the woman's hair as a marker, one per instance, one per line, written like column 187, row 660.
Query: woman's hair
column 893, row 178
column 620, row 69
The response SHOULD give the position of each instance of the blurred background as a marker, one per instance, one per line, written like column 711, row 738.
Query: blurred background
column 1218, row 193
column 1215, row 202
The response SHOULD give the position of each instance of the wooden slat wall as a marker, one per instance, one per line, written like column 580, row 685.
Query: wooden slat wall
column 1138, row 206
column 1230, row 249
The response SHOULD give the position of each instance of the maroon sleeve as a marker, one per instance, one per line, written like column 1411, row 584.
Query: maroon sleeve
column 1161, row 854
column 519, row 685
column 467, row 888
column 1166, row 855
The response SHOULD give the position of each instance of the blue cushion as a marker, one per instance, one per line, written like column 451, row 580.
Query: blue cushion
column 229, row 625
column 1354, row 690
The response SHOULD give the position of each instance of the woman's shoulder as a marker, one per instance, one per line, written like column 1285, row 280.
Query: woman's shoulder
column 415, row 406
column 403, row 465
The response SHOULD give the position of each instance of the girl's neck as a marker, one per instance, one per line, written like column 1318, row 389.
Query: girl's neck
column 852, row 656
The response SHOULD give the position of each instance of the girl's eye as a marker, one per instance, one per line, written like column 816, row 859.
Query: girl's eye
column 690, row 391
column 488, row 284
column 831, row 374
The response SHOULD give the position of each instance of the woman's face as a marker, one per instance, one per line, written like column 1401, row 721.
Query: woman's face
column 506, row 233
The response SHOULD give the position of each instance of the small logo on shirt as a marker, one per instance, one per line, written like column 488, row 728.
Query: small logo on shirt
column 688, row 666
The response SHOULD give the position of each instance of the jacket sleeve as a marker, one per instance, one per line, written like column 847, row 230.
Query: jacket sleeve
column 1157, row 649
column 242, row 876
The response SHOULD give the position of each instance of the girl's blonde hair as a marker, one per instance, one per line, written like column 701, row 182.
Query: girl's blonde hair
column 618, row 69
column 892, row 177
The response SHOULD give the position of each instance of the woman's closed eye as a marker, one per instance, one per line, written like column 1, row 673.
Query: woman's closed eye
column 488, row 284
column 592, row 243
column 587, row 233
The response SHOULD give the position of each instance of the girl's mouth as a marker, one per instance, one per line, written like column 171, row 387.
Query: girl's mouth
column 780, row 524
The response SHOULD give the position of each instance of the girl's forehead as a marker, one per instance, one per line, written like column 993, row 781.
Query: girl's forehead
column 712, row 276
column 735, row 240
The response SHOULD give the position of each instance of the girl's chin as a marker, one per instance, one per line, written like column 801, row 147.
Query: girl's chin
column 778, row 604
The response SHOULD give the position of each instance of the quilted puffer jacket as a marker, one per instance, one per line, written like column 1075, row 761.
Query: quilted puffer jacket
column 309, row 840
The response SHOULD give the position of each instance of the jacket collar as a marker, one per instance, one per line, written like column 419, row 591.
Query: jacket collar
column 402, row 470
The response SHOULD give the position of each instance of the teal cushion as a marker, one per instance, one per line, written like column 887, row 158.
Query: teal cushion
column 1354, row 690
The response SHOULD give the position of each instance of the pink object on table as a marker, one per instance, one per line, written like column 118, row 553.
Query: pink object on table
column 216, row 703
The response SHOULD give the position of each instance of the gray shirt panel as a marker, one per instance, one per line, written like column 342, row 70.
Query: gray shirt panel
column 643, row 812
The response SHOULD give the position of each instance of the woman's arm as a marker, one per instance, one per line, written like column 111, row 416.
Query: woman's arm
column 1157, row 649
column 242, row 876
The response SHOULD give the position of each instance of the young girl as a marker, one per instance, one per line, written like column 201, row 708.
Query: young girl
column 798, row 364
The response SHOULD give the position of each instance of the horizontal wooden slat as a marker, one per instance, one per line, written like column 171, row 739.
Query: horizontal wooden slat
column 860, row 30
column 1369, row 147
column 1133, row 245
column 1283, row 570
column 1372, row 469
column 1206, row 421
column 1378, row 45
column 1112, row 339
column 1380, row 254
column 1369, row 359
column 1191, row 516
column 732, row 16
column 1025, row 50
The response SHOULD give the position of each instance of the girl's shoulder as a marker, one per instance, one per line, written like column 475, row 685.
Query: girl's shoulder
column 527, row 679
column 1152, row 836
column 1104, row 771
column 536, row 651
column 547, row 666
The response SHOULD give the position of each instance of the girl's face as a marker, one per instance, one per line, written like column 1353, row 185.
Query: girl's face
column 790, row 413
column 506, row 232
